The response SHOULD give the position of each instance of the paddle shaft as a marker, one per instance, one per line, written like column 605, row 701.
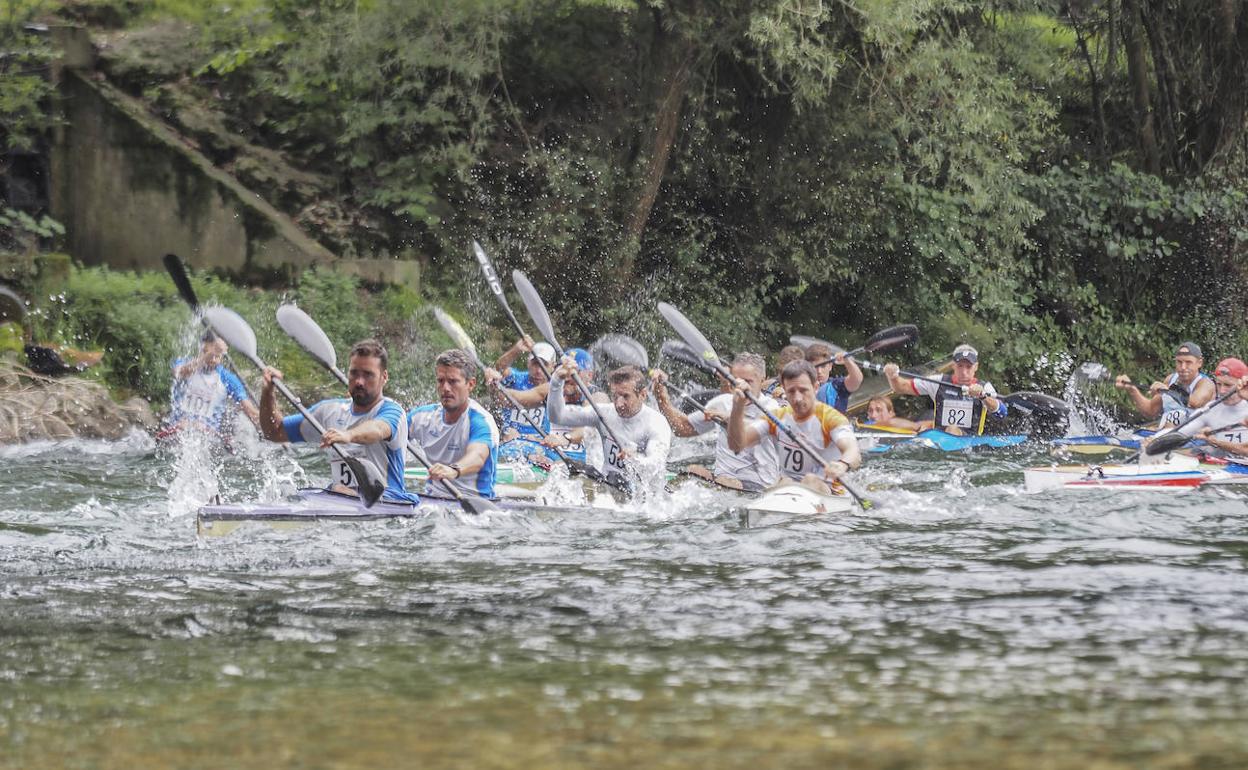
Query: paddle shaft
column 496, row 288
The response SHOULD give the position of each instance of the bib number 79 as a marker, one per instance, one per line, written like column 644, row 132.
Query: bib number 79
column 794, row 459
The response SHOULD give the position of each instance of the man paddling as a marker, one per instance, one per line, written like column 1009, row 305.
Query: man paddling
column 514, row 424
column 1185, row 389
column 203, row 390
column 646, row 435
column 571, row 440
column 834, row 391
column 1223, row 426
column 459, row 435
column 963, row 404
column 367, row 424
column 754, row 469
column 787, row 354
column 826, row 428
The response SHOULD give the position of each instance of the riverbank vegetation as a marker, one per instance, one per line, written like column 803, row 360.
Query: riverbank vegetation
column 1032, row 176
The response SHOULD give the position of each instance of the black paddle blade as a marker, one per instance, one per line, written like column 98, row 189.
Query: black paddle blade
column 685, row 329
column 12, row 307
column 621, row 349
column 1166, row 443
column 177, row 271
column 892, row 337
column 537, row 309
column 372, row 484
column 679, row 351
column 477, row 505
column 1037, row 402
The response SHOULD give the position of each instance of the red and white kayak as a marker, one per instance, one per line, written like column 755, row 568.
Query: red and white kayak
column 1177, row 473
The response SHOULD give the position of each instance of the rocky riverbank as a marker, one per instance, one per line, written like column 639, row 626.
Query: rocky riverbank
column 34, row 407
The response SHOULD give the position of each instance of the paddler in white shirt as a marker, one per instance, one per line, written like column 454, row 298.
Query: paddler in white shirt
column 459, row 435
column 752, row 470
column 1185, row 389
column 827, row 429
column 646, row 435
column 365, row 425
column 962, row 403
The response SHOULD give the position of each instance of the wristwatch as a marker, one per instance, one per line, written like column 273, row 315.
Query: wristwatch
column 458, row 472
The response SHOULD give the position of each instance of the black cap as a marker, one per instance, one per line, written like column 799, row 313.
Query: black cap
column 965, row 353
column 1189, row 349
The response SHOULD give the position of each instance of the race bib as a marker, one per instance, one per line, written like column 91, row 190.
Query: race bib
column 614, row 459
column 956, row 413
column 1234, row 436
column 341, row 473
column 794, row 461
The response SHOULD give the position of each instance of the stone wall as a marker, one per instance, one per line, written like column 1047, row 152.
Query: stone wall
column 129, row 190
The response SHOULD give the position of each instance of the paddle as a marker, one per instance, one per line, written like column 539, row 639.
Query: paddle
column 496, row 287
column 694, row 339
column 464, row 342
column 622, row 349
column 885, row 339
column 537, row 311
column 182, row 281
column 231, row 327
column 1025, row 401
column 679, row 351
column 305, row 331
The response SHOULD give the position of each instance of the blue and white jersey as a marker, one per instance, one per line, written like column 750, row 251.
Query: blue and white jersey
column 204, row 396
column 340, row 414
column 515, row 418
column 834, row 393
column 446, row 443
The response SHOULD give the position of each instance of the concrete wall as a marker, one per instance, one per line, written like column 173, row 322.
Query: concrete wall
column 129, row 190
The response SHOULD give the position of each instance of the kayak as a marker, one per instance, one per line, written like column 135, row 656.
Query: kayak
column 1177, row 473
column 512, row 479
column 1098, row 445
column 792, row 500
column 312, row 506
column 933, row 439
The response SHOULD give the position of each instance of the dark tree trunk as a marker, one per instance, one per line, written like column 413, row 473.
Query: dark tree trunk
column 1137, row 70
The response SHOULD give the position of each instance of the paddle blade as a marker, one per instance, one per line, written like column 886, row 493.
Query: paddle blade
column 620, row 349
column 457, row 334
column 477, row 505
column 679, row 351
column 303, row 330
column 236, row 332
column 487, row 267
column 372, row 483
column 537, row 309
column 177, row 271
column 1167, row 442
column 803, row 342
column 700, row 346
column 1037, row 402
column 12, row 307
column 1092, row 371
column 892, row 337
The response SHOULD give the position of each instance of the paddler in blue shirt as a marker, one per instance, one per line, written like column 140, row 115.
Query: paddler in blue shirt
column 519, row 437
column 458, row 434
column 1185, row 389
column 365, row 425
column 572, row 440
column 962, row 403
column 203, row 389
column 834, row 391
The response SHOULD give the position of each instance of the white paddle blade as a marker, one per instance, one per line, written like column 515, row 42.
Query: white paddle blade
column 537, row 309
column 455, row 331
column 310, row 336
column 803, row 342
column 231, row 327
column 689, row 333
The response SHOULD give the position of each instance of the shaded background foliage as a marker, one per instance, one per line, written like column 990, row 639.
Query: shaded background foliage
column 1029, row 175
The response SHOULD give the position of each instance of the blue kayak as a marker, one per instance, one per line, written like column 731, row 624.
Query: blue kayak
column 947, row 442
column 1100, row 444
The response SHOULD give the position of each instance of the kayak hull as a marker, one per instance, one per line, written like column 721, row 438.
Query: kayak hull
column 1177, row 474
column 792, row 500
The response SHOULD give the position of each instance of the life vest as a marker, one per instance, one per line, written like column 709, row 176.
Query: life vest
column 956, row 409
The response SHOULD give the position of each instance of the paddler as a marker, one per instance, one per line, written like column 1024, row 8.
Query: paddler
column 367, row 424
column 756, row 468
column 203, row 389
column 787, row 354
column 570, row 440
column 1223, row 426
column 826, row 428
column 963, row 404
column 1185, row 389
column 646, row 435
column 834, row 391
column 518, row 434
column 459, row 435
column 881, row 414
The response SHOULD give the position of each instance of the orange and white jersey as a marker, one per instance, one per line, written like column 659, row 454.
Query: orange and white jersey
column 823, row 427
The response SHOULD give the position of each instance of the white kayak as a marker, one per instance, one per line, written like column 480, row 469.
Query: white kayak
column 794, row 500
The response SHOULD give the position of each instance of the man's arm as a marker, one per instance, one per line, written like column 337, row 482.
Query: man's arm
column 853, row 375
column 675, row 418
column 269, row 415
column 531, row 398
column 1203, row 393
column 560, row 412
column 504, row 361
column 1149, row 406
column 740, row 436
column 899, row 384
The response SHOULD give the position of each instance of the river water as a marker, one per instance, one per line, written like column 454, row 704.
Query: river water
column 961, row 625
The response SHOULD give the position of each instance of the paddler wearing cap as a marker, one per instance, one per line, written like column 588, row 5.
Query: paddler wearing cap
column 963, row 404
column 1170, row 400
column 1223, row 426
column 573, row 441
column 514, row 424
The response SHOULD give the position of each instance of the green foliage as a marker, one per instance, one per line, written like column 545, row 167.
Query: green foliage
column 24, row 89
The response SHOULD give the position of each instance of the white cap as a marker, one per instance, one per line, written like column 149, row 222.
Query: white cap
column 544, row 351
